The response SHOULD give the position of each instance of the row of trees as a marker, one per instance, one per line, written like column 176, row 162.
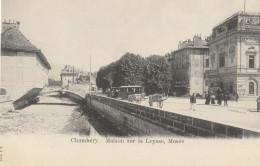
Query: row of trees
column 152, row 72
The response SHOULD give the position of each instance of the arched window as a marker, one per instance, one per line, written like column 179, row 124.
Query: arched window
column 251, row 88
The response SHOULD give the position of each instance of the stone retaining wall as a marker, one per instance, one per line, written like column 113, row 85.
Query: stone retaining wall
column 154, row 121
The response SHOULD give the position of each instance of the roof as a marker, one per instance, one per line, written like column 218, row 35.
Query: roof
column 68, row 74
column 13, row 39
column 134, row 86
column 237, row 14
column 191, row 47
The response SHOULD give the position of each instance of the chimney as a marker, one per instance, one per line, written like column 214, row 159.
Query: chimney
column 179, row 45
column 197, row 40
column 8, row 25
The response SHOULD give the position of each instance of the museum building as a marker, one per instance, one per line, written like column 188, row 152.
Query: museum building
column 234, row 62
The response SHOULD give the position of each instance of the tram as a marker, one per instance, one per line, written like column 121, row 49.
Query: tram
column 124, row 92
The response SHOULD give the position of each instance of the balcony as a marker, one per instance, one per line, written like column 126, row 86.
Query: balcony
column 232, row 70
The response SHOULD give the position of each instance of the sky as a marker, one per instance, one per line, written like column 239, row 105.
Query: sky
column 69, row 31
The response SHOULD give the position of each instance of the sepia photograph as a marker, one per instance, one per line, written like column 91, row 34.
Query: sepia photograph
column 145, row 82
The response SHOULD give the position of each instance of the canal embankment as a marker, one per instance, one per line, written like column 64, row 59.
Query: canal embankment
column 154, row 121
column 55, row 114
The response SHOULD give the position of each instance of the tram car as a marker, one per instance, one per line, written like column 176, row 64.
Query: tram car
column 131, row 93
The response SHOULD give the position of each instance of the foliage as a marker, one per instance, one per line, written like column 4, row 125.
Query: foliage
column 105, row 76
column 157, row 74
column 129, row 70
column 152, row 72
column 52, row 82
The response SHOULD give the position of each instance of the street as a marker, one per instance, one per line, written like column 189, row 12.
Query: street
column 240, row 114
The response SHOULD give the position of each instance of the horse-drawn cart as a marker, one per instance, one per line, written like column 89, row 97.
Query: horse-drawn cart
column 136, row 97
column 159, row 98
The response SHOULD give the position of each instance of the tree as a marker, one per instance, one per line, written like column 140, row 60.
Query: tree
column 105, row 76
column 129, row 70
column 52, row 82
column 132, row 69
column 157, row 76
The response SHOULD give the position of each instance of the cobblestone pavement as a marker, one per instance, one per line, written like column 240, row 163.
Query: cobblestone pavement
column 240, row 114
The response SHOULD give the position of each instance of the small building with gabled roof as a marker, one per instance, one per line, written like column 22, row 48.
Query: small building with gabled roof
column 23, row 66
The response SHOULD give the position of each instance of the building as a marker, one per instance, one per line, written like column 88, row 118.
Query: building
column 68, row 76
column 23, row 66
column 234, row 55
column 188, row 64
column 73, row 76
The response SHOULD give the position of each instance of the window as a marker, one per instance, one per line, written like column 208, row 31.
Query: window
column 221, row 60
column 251, row 88
column 251, row 61
column 131, row 90
column 207, row 63
column 232, row 52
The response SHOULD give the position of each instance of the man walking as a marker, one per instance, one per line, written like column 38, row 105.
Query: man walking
column 237, row 97
column 258, row 103
column 193, row 102
column 225, row 97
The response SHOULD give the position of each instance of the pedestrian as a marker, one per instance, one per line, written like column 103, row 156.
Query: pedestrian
column 258, row 103
column 220, row 98
column 113, row 93
column 225, row 97
column 237, row 97
column 207, row 96
column 212, row 99
column 116, row 93
column 193, row 102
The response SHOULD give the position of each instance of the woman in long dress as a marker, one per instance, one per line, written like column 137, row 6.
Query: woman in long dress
column 212, row 99
column 207, row 96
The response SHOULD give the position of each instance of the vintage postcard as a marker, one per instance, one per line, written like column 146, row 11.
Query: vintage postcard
column 145, row 82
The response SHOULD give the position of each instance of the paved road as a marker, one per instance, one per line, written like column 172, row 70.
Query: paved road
column 241, row 114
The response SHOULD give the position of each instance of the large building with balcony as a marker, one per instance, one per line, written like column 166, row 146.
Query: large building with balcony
column 188, row 64
column 234, row 55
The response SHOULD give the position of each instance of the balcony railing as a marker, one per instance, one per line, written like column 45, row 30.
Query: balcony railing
column 234, row 69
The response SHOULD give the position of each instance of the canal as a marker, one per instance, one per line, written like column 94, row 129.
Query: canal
column 54, row 114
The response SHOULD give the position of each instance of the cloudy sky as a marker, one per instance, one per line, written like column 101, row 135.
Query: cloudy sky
column 68, row 31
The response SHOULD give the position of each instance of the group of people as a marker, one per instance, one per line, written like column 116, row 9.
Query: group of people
column 220, row 96
column 211, row 97
column 114, row 93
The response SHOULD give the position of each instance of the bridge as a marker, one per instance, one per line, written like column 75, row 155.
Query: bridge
column 31, row 96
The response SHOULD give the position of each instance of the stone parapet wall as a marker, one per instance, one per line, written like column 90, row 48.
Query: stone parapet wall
column 172, row 123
